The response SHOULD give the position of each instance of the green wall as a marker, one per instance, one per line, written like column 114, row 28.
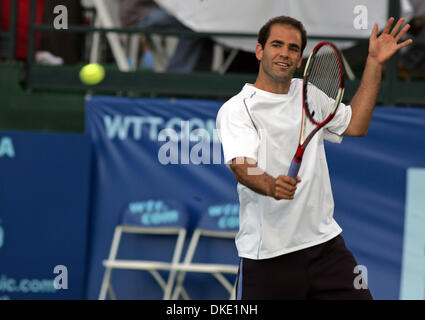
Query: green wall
column 21, row 109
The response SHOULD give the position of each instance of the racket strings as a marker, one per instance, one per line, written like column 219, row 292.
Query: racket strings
column 327, row 69
column 324, row 83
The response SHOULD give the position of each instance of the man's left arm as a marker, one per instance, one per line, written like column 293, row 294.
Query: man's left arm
column 381, row 49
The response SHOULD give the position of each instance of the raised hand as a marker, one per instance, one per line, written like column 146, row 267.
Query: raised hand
column 382, row 47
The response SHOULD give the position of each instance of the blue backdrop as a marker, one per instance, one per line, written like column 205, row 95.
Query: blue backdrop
column 43, row 214
column 130, row 164
column 368, row 175
column 49, row 217
column 369, row 183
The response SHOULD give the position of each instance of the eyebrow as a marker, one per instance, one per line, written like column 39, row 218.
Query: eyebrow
column 292, row 45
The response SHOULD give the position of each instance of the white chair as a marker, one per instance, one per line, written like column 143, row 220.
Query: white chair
column 216, row 222
column 151, row 217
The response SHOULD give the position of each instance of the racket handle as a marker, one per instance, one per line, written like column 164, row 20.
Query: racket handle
column 294, row 168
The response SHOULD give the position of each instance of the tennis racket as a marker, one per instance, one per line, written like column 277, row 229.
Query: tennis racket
column 323, row 89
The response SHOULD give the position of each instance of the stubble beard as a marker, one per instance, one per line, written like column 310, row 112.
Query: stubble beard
column 268, row 70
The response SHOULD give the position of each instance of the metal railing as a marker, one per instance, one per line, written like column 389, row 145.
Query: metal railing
column 407, row 92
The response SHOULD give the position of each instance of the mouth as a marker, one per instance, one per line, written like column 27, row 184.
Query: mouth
column 283, row 65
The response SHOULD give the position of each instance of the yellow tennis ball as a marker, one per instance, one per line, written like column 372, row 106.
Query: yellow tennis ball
column 92, row 74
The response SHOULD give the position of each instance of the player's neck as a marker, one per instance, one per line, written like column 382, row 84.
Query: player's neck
column 269, row 85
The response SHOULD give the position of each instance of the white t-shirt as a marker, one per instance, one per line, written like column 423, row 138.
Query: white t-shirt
column 265, row 126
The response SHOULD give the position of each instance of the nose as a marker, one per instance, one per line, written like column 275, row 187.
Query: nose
column 284, row 51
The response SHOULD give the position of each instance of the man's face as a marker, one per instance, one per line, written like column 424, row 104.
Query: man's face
column 281, row 54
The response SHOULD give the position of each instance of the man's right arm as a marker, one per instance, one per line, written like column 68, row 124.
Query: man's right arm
column 249, row 174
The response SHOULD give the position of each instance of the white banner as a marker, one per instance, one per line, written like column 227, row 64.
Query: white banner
column 350, row 18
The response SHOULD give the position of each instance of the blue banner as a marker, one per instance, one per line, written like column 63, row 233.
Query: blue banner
column 369, row 181
column 167, row 149
column 144, row 149
column 44, row 184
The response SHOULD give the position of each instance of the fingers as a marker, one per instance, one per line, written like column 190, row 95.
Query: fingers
column 402, row 32
column 405, row 43
column 281, row 193
column 397, row 27
column 388, row 25
column 374, row 31
column 395, row 31
column 283, row 180
column 285, row 187
column 387, row 42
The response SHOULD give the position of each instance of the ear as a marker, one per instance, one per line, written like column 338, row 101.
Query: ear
column 259, row 52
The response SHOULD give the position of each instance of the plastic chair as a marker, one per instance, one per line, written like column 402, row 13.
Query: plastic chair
column 216, row 222
column 151, row 217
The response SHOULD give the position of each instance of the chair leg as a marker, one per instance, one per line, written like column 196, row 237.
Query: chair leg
column 158, row 279
column 169, row 287
column 112, row 293
column 105, row 284
column 225, row 283
column 179, row 289
column 233, row 295
column 184, row 293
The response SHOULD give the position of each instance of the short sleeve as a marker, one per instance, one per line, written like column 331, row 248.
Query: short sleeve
column 237, row 133
column 334, row 130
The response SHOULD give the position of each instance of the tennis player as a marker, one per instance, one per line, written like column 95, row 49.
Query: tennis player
column 289, row 244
